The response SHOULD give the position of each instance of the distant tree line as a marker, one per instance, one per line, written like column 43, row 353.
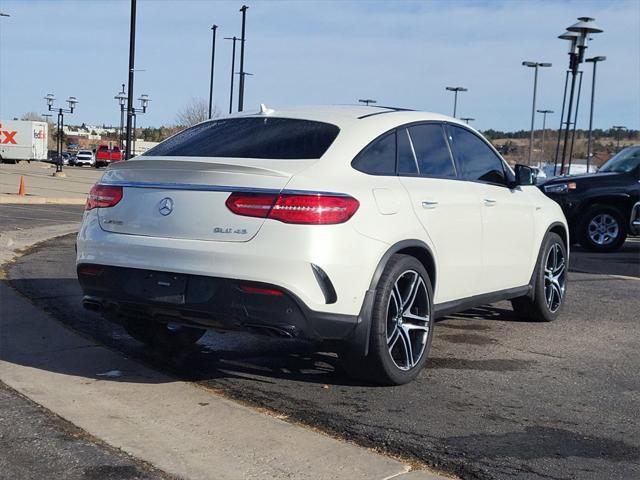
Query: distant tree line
column 596, row 133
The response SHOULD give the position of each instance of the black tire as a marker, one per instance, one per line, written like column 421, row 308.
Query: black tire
column 610, row 219
column 391, row 366
column 161, row 335
column 536, row 306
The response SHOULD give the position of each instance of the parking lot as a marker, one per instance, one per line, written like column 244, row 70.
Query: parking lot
column 500, row 398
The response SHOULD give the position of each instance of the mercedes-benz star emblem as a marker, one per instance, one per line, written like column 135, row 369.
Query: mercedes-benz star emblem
column 165, row 207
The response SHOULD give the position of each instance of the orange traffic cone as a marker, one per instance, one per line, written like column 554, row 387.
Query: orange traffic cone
column 21, row 191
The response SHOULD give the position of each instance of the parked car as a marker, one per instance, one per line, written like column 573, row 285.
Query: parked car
column 85, row 157
column 602, row 208
column 351, row 226
column 105, row 155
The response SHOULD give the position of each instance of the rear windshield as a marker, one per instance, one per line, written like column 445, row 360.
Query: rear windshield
column 269, row 138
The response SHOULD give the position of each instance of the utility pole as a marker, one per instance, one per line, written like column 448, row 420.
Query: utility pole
column 242, row 41
column 233, row 73
column 213, row 57
column 132, row 51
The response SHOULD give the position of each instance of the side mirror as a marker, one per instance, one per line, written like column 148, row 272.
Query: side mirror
column 525, row 175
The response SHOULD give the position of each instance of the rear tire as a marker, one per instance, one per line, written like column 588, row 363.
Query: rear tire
column 545, row 302
column 602, row 229
column 401, row 326
column 162, row 335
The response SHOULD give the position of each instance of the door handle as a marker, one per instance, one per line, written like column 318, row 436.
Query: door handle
column 489, row 202
column 429, row 204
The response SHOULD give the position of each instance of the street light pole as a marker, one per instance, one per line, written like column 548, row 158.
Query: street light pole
column 535, row 65
column 578, row 34
column 242, row 42
column 233, row 67
column 213, row 57
column 595, row 61
column 72, row 101
column 618, row 129
column 122, row 100
column 467, row 119
column 367, row 101
column 132, row 52
column 544, row 127
column 455, row 97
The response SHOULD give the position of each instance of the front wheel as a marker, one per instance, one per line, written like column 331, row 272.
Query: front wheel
column 163, row 335
column 544, row 303
column 401, row 326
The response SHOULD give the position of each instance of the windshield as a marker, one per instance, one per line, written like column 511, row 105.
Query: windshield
column 262, row 137
column 84, row 152
column 624, row 161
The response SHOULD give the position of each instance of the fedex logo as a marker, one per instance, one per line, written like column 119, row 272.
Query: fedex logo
column 7, row 137
column 38, row 134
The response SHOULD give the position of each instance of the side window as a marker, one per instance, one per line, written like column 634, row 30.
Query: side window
column 432, row 152
column 406, row 161
column 476, row 160
column 379, row 158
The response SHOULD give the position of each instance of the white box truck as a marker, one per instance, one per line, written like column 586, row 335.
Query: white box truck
column 23, row 140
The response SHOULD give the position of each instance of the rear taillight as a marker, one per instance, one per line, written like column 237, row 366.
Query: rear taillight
column 103, row 196
column 308, row 209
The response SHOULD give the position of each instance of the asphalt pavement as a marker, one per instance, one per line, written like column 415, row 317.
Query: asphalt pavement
column 500, row 398
column 63, row 450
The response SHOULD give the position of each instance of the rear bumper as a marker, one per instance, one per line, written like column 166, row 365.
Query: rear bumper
column 210, row 302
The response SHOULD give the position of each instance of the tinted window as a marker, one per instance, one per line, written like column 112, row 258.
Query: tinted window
column 432, row 152
column 271, row 138
column 406, row 161
column 379, row 158
column 476, row 160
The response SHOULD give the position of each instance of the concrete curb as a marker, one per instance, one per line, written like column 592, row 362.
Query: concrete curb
column 179, row 428
column 27, row 200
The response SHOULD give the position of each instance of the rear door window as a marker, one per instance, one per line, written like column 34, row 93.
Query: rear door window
column 252, row 137
column 431, row 150
column 379, row 157
column 407, row 164
column 477, row 161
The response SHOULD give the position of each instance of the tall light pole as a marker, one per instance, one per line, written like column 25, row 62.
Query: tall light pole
column 144, row 103
column 467, row 119
column 578, row 35
column 213, row 57
column 618, row 129
column 121, row 97
column 367, row 101
column 242, row 42
column 132, row 52
column 50, row 98
column 455, row 97
column 233, row 67
column 535, row 66
column 595, row 61
column 544, row 126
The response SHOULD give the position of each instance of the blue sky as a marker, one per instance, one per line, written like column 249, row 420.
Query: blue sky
column 401, row 53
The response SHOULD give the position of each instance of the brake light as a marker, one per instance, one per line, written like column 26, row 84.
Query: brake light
column 306, row 209
column 103, row 196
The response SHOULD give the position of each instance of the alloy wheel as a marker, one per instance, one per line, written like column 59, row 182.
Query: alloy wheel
column 555, row 278
column 603, row 229
column 408, row 320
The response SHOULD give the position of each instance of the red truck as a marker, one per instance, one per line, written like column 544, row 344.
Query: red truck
column 105, row 155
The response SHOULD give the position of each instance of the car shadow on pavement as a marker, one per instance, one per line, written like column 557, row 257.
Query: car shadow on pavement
column 218, row 356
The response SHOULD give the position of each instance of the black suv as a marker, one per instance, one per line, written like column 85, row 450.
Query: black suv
column 602, row 208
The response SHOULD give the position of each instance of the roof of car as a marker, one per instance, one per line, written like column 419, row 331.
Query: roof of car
column 341, row 115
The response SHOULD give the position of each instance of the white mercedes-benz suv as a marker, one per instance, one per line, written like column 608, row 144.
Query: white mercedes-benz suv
column 351, row 226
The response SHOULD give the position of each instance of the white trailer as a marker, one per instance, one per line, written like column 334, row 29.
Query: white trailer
column 23, row 140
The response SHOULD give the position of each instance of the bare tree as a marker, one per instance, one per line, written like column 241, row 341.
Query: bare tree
column 196, row 111
column 32, row 116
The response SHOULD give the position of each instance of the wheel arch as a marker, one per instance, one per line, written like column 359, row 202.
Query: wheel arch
column 621, row 202
column 360, row 338
column 414, row 248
